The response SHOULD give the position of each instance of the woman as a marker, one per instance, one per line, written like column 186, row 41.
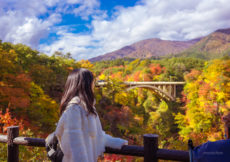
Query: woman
column 79, row 130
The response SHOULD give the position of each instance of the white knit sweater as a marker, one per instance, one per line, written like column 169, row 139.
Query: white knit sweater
column 80, row 136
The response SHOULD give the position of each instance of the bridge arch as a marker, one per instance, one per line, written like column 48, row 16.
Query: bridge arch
column 155, row 89
column 165, row 90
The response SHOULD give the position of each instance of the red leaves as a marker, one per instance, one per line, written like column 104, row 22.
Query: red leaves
column 7, row 120
column 192, row 75
column 15, row 90
column 113, row 114
column 156, row 69
column 117, row 158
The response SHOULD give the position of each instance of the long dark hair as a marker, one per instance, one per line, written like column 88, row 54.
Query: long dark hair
column 79, row 83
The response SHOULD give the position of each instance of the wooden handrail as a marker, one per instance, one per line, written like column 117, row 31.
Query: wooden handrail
column 149, row 151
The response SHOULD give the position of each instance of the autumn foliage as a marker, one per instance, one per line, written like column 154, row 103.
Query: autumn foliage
column 31, row 86
column 207, row 101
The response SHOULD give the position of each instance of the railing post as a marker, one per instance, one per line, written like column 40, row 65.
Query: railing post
column 150, row 147
column 227, row 132
column 1, row 126
column 226, row 120
column 12, row 149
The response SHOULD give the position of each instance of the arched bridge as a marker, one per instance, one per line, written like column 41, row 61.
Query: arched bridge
column 164, row 89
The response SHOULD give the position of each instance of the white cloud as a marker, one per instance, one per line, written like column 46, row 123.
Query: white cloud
column 29, row 30
column 86, row 8
column 21, row 21
column 165, row 19
column 81, row 46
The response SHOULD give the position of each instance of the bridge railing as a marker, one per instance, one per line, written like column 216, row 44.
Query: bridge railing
column 155, row 83
column 102, row 83
column 149, row 151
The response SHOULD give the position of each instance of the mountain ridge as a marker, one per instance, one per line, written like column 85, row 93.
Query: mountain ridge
column 203, row 47
column 147, row 48
column 214, row 45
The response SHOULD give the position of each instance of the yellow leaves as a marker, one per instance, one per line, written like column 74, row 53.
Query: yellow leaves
column 215, row 136
column 207, row 94
column 139, row 119
column 228, row 103
column 121, row 98
column 11, row 51
column 2, row 84
column 53, row 102
column 102, row 77
column 220, row 96
column 153, row 119
column 228, row 84
column 86, row 64
column 180, row 119
column 163, row 107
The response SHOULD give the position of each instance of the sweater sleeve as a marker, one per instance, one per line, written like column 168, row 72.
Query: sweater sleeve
column 109, row 141
column 114, row 142
column 72, row 140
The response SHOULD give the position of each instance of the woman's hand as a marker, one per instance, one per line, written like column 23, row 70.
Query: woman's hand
column 126, row 143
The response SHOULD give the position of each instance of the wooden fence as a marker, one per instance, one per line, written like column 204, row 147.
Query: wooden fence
column 149, row 151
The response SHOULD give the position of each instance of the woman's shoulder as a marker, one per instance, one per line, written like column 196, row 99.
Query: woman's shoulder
column 72, row 112
column 73, row 108
column 76, row 103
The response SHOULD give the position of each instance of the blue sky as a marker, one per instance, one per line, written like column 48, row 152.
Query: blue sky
column 89, row 28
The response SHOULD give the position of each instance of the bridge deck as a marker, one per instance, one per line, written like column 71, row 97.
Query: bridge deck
column 146, row 83
column 154, row 83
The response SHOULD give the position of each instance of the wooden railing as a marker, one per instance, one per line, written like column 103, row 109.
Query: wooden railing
column 149, row 151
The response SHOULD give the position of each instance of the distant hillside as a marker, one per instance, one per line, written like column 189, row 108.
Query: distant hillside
column 215, row 45
column 147, row 48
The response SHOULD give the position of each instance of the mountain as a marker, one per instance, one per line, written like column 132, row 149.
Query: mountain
column 214, row 45
column 147, row 48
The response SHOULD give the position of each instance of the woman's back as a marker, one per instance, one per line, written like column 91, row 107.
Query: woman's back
column 79, row 129
column 80, row 136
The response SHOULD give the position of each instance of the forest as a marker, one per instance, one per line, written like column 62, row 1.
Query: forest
column 31, row 85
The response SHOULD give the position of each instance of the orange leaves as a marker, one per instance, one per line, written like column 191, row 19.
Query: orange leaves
column 146, row 77
column 117, row 75
column 134, row 71
column 141, row 76
column 70, row 68
column 136, row 76
column 205, row 89
column 192, row 75
column 156, row 69
column 7, row 120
